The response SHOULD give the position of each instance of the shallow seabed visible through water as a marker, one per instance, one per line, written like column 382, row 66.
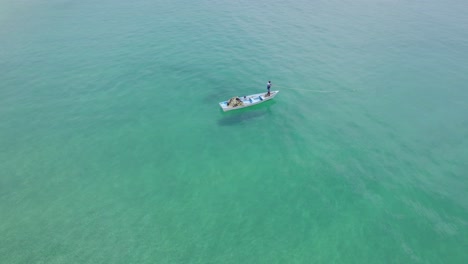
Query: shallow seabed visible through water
column 113, row 148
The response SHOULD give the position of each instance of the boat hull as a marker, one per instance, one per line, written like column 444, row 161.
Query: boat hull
column 249, row 100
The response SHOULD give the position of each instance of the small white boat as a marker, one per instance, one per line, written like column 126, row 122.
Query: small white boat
column 246, row 101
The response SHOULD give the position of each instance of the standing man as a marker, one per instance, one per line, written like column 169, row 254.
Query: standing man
column 268, row 88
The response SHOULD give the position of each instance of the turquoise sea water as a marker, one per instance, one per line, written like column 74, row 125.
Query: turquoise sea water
column 113, row 148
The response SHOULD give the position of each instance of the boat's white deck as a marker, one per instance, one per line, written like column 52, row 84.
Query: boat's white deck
column 249, row 100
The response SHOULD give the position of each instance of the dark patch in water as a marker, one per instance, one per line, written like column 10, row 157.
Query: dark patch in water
column 236, row 117
column 241, row 117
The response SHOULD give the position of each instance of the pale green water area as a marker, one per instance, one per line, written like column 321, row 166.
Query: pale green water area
column 113, row 148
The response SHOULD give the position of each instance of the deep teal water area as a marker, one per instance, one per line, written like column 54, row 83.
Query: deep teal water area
column 113, row 148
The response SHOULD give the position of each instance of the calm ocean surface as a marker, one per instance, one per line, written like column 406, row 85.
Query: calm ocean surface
column 113, row 148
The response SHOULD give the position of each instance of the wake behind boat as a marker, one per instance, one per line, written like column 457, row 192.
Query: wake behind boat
column 246, row 101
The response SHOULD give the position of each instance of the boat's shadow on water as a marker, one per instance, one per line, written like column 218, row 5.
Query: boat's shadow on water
column 249, row 114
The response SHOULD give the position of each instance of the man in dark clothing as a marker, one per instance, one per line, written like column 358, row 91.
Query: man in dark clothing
column 268, row 88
